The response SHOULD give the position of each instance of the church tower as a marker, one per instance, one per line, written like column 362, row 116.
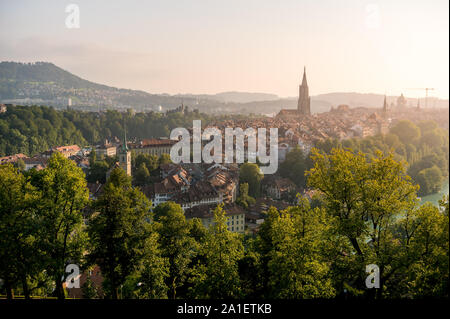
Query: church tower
column 125, row 156
column 385, row 107
column 304, row 101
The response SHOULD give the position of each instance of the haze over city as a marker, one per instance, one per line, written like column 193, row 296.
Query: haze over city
column 224, row 157
column 255, row 46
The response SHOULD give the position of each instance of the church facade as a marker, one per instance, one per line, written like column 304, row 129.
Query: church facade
column 304, row 101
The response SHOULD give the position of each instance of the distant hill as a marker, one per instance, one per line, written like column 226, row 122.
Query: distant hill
column 233, row 97
column 44, row 72
column 244, row 97
column 47, row 84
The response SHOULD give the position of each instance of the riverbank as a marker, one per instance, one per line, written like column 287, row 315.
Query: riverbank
column 434, row 198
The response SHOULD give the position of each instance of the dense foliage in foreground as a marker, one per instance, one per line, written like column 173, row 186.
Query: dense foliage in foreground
column 368, row 215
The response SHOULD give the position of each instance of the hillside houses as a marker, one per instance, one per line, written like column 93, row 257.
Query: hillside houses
column 12, row 158
column 193, row 185
column 278, row 187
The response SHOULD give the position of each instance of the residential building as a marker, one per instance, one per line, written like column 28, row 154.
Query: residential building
column 234, row 213
column 153, row 146
column 278, row 187
column 106, row 149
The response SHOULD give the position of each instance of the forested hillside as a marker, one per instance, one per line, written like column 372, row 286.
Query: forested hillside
column 34, row 129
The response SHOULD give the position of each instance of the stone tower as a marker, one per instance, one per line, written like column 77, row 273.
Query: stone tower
column 385, row 106
column 304, row 101
column 125, row 156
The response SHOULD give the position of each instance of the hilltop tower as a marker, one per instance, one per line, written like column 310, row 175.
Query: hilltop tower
column 304, row 101
column 385, row 106
column 125, row 156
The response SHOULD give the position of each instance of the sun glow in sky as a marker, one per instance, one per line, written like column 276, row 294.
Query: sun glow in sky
column 181, row 46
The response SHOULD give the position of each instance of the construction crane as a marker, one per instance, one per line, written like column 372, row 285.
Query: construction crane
column 426, row 93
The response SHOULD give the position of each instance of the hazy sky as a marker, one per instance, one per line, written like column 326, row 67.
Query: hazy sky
column 208, row 46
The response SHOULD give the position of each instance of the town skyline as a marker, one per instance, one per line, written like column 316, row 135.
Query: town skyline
column 217, row 157
column 377, row 47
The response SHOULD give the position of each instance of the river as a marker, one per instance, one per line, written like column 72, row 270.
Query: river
column 434, row 198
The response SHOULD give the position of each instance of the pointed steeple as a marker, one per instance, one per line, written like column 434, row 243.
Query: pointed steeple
column 125, row 154
column 304, row 82
column 385, row 104
column 124, row 145
column 304, row 101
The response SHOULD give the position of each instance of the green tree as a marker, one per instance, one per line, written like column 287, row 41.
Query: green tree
column 432, row 139
column 142, row 175
column 18, row 255
column 176, row 244
column 294, row 166
column 62, row 197
column 97, row 172
column 244, row 199
column 429, row 180
column 164, row 159
column 151, row 161
column 364, row 196
column 295, row 243
column 406, row 131
column 88, row 289
column 218, row 277
column 424, row 231
column 118, row 229
column 153, row 271
column 92, row 157
column 251, row 174
column 426, row 126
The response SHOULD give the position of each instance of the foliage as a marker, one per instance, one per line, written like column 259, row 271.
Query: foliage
column 217, row 276
column 374, row 207
column 177, row 245
column 295, row 165
column 296, row 264
column 244, row 199
column 251, row 174
column 118, row 230
column 430, row 180
column 18, row 230
column 62, row 197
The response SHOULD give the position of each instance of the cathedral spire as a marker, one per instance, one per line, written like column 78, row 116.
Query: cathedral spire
column 304, row 82
column 304, row 101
